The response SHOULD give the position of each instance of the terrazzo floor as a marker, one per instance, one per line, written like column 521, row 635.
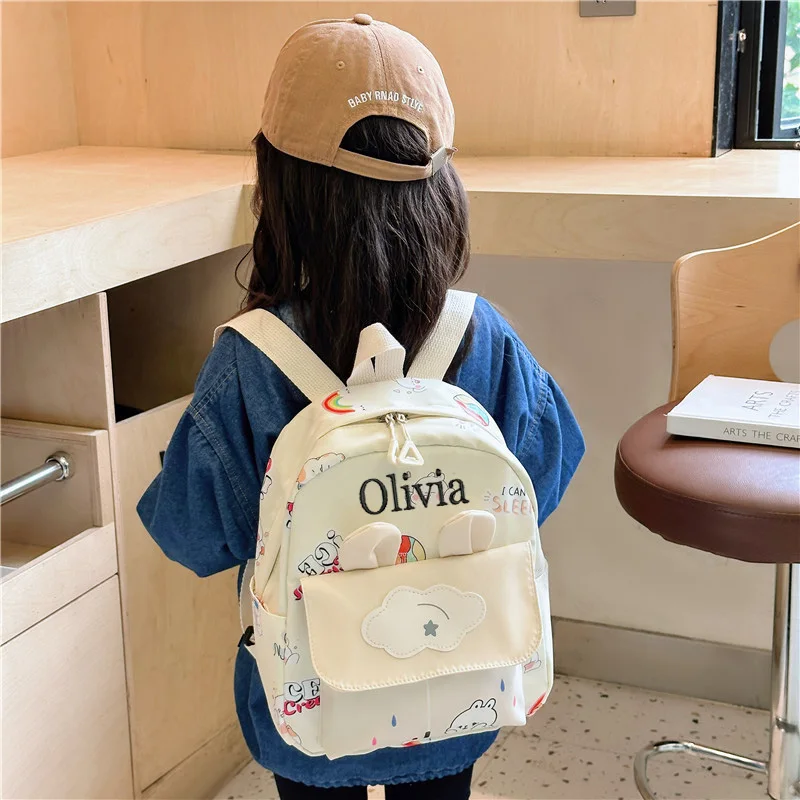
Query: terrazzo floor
column 581, row 745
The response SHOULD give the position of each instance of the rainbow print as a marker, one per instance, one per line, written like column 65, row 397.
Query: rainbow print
column 475, row 410
column 411, row 550
column 335, row 404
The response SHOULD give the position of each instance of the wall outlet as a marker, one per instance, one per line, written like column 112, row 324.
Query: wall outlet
column 607, row 8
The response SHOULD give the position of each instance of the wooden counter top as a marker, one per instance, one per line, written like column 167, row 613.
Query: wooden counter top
column 85, row 219
column 82, row 220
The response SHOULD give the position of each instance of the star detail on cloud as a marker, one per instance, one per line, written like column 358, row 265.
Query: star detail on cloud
column 430, row 628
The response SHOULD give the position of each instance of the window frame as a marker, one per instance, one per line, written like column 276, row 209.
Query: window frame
column 759, row 88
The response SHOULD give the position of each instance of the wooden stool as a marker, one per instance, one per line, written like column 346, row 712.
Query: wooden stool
column 738, row 501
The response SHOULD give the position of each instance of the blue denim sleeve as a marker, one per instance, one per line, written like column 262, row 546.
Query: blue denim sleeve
column 190, row 508
column 202, row 508
column 553, row 447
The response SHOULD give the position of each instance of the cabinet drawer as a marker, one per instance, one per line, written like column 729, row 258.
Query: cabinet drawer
column 181, row 631
column 58, row 540
column 65, row 716
column 49, row 581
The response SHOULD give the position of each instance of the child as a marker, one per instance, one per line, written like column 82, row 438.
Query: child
column 361, row 219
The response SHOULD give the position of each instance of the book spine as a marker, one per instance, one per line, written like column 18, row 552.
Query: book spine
column 775, row 435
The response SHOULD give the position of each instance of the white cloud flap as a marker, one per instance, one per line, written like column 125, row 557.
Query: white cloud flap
column 411, row 620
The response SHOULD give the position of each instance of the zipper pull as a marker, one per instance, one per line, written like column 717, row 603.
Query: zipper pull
column 394, row 444
column 410, row 454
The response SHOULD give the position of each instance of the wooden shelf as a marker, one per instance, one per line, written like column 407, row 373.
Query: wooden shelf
column 86, row 219
column 757, row 174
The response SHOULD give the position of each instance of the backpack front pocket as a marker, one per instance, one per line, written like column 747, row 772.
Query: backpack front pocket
column 407, row 715
column 290, row 686
column 423, row 650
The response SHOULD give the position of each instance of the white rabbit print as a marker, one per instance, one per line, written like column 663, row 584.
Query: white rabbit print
column 316, row 466
column 410, row 385
column 481, row 714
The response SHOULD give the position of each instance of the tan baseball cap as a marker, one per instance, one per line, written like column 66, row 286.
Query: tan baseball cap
column 332, row 73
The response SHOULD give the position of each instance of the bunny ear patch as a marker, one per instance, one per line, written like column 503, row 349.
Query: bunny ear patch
column 468, row 532
column 374, row 545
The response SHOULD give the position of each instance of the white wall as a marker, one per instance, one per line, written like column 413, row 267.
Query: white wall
column 602, row 329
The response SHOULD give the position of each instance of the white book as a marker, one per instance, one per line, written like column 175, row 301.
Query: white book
column 740, row 410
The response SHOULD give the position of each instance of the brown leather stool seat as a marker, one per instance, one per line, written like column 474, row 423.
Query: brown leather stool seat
column 739, row 501
column 736, row 500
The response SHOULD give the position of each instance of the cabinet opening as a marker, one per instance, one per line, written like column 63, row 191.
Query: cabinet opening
column 47, row 513
column 162, row 326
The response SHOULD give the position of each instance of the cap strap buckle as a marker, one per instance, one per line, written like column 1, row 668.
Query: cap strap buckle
column 440, row 158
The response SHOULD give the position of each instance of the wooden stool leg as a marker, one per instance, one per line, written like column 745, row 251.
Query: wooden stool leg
column 784, row 757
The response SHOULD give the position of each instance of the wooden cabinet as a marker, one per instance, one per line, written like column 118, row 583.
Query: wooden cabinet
column 117, row 663
column 65, row 720
column 181, row 631
column 65, row 713
column 65, row 707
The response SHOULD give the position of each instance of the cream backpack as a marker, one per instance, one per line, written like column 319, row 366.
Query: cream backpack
column 399, row 592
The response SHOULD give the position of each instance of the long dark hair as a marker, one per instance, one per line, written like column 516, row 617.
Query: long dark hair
column 346, row 251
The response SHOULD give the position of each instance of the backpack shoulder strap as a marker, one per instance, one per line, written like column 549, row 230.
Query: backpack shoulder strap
column 290, row 354
column 436, row 355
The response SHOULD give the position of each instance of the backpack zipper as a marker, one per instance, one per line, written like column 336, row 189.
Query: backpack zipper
column 394, row 444
column 409, row 454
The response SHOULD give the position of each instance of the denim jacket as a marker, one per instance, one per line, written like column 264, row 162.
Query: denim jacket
column 202, row 509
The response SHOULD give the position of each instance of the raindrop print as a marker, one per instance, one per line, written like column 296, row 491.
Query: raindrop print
column 394, row 721
column 502, row 685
